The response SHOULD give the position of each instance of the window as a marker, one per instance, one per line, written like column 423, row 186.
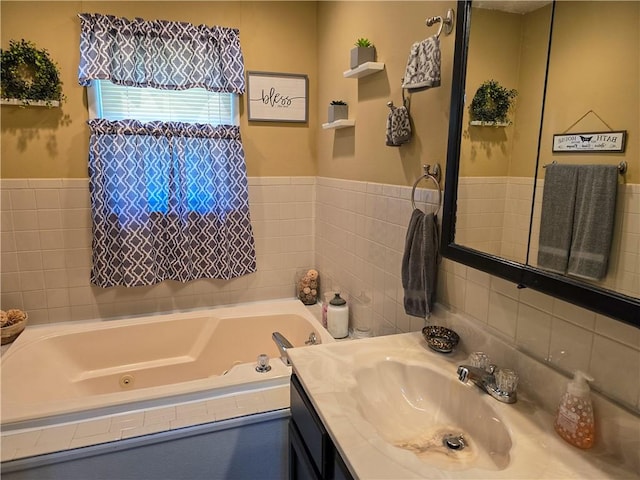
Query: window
column 195, row 105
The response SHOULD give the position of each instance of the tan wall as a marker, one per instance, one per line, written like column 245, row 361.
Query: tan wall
column 53, row 143
column 533, row 60
column 360, row 153
column 602, row 75
column 494, row 54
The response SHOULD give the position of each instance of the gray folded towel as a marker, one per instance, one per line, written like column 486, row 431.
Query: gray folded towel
column 423, row 65
column 556, row 217
column 419, row 264
column 398, row 126
column 577, row 218
column 593, row 221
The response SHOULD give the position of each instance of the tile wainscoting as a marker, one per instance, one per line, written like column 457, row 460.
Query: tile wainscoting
column 353, row 232
column 46, row 253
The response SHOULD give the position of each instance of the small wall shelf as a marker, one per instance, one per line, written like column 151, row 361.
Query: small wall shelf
column 480, row 123
column 365, row 69
column 342, row 123
column 32, row 103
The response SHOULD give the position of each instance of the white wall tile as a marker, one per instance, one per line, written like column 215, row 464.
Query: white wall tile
column 616, row 369
column 533, row 332
column 353, row 232
column 570, row 347
column 503, row 314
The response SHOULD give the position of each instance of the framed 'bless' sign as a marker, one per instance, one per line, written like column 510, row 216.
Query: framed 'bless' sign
column 277, row 97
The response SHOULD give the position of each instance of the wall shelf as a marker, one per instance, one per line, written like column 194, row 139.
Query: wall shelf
column 365, row 69
column 342, row 123
column 32, row 103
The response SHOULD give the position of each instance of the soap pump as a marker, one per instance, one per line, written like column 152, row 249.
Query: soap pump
column 574, row 420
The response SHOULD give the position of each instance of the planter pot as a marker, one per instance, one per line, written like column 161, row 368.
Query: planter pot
column 360, row 55
column 338, row 112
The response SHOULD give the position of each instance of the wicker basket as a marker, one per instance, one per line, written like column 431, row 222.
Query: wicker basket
column 11, row 332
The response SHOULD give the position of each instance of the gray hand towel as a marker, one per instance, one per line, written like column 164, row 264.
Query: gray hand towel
column 556, row 217
column 423, row 65
column 419, row 264
column 398, row 126
column 593, row 221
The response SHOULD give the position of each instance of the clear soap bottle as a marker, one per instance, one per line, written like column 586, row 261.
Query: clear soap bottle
column 574, row 420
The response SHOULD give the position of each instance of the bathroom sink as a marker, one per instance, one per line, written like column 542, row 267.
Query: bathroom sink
column 441, row 420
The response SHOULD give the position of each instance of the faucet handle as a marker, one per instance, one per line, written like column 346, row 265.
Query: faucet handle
column 506, row 380
column 479, row 360
column 463, row 373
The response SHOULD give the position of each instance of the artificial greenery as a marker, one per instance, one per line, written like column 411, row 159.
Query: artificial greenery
column 492, row 102
column 29, row 74
column 338, row 102
column 364, row 42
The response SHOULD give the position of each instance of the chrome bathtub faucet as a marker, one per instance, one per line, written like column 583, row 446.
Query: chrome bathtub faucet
column 283, row 345
column 501, row 384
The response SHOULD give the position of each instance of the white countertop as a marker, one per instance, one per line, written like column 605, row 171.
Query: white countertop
column 327, row 373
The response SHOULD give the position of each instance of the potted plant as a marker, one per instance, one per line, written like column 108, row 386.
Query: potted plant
column 29, row 75
column 491, row 104
column 364, row 52
column 338, row 110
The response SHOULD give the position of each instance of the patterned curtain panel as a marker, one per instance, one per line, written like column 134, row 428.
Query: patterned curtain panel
column 160, row 54
column 168, row 201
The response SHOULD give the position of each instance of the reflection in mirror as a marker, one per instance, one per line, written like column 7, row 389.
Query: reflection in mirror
column 580, row 98
column 508, row 43
column 495, row 175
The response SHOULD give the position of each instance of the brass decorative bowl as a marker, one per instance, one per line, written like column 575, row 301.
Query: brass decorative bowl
column 440, row 339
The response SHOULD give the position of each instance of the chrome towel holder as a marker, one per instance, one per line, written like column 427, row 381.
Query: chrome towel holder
column 446, row 23
column 429, row 175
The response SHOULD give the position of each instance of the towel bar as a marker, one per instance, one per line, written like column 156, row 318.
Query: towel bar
column 434, row 177
column 622, row 166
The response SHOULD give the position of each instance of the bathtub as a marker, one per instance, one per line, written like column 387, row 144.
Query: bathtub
column 73, row 372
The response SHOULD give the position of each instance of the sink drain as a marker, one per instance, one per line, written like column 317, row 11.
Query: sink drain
column 126, row 381
column 454, row 442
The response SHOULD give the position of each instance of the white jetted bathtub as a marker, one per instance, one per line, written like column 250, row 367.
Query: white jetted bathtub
column 75, row 371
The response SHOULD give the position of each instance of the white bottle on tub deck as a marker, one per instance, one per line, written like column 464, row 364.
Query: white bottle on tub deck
column 338, row 317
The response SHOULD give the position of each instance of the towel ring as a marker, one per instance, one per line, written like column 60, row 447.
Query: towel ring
column 445, row 23
column 434, row 177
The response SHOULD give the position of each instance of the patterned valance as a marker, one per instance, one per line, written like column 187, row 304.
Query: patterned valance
column 160, row 54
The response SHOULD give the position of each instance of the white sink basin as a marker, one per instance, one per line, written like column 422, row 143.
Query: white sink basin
column 418, row 409
column 388, row 402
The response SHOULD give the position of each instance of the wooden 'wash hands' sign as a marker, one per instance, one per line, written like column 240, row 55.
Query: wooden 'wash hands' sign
column 277, row 97
column 590, row 142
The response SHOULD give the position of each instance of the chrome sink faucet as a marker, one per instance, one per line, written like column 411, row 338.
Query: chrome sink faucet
column 501, row 383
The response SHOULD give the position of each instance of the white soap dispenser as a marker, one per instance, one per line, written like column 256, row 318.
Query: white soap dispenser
column 338, row 317
column 574, row 420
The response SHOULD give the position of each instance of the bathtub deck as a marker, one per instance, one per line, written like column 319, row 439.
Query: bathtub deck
column 28, row 442
column 57, row 433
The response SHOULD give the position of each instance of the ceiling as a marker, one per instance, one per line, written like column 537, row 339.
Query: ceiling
column 513, row 6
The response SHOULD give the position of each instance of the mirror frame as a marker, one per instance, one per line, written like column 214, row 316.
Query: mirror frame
column 605, row 302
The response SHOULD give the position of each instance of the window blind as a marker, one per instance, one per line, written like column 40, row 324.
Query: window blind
column 195, row 105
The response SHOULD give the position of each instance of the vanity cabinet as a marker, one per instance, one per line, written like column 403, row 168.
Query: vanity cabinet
column 312, row 454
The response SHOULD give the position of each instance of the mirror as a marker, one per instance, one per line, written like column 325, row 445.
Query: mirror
column 495, row 174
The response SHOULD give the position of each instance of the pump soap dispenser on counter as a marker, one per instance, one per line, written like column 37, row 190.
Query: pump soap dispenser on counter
column 338, row 317
column 574, row 420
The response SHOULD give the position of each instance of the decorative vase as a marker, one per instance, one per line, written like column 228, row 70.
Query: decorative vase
column 308, row 286
column 360, row 55
column 338, row 112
